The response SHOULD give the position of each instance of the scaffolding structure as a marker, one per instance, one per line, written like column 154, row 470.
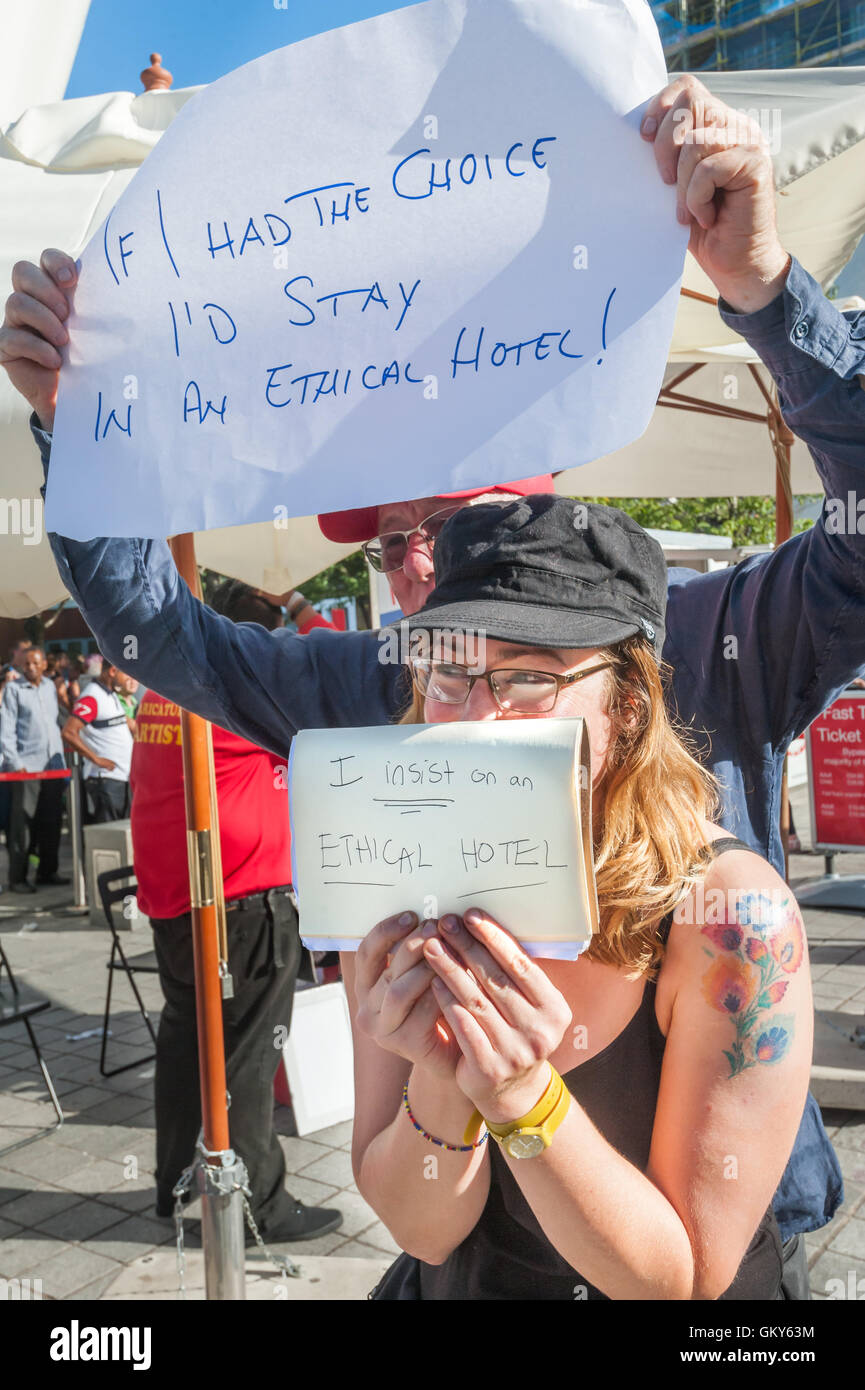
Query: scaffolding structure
column 703, row 35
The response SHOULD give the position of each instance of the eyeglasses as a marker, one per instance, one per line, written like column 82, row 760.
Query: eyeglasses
column 515, row 691
column 387, row 552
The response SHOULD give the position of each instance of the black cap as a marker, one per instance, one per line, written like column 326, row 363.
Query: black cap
column 547, row 571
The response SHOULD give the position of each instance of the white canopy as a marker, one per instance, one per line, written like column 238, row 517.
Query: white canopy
column 63, row 166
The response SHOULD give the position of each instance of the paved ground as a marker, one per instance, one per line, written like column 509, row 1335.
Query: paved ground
column 77, row 1207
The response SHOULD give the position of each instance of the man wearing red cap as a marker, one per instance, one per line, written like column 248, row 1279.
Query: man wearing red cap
column 398, row 537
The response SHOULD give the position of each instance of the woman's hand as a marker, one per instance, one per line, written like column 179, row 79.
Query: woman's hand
column 505, row 1015
column 395, row 1005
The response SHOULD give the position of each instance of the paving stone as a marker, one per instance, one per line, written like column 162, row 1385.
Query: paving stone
column 357, row 1215
column 83, row 1098
column 852, row 1131
column 93, row 1291
column 312, row 1194
column 322, row 1245
column 334, row 1136
column 96, row 1177
column 132, row 1199
column 73, row 1269
column 80, row 1222
column 46, row 1160
column 8, row 1229
column 42, row 1204
column 850, row 1240
column 333, row 1167
column 380, row 1237
column 25, row 1254
column 832, row 1265
column 358, row 1250
column 114, row 1111
column 298, row 1153
column 132, row 1237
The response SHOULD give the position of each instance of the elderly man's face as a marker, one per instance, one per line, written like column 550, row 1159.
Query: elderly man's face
column 413, row 584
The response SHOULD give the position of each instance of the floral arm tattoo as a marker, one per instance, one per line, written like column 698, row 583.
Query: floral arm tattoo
column 760, row 946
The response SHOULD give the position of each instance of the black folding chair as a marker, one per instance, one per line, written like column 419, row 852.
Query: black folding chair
column 15, row 1009
column 119, row 886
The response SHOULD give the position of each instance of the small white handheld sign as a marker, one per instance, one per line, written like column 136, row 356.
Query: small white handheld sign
column 422, row 253
column 438, row 818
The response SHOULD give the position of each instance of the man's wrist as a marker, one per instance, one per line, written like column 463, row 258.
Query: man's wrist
column 296, row 605
column 758, row 286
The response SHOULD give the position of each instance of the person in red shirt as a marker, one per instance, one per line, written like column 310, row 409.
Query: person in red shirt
column 264, row 947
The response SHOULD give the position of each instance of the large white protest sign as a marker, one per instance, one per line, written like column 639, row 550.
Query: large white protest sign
column 438, row 818
column 425, row 252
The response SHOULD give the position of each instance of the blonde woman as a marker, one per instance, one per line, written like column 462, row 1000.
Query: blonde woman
column 615, row 1126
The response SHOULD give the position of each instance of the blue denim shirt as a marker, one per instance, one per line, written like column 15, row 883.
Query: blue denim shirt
column 29, row 733
column 798, row 616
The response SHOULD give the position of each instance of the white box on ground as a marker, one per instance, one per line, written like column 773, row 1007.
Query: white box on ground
column 108, row 846
column 319, row 1058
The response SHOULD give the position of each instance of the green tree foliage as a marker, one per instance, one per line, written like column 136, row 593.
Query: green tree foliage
column 746, row 520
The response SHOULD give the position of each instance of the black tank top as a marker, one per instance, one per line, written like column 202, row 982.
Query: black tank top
column 507, row 1255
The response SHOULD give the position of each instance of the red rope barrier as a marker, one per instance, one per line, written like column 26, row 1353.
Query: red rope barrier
column 34, row 776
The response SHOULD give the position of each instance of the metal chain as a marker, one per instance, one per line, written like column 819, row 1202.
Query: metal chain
column 286, row 1267
column 181, row 1186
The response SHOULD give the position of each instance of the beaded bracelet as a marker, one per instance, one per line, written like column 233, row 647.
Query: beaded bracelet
column 442, row 1143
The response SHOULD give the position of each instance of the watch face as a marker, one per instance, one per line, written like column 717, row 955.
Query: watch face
column 524, row 1145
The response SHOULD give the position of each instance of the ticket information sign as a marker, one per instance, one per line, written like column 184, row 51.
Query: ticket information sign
column 836, row 765
column 437, row 818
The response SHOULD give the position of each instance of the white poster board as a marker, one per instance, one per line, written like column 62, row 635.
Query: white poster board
column 425, row 252
column 319, row 1058
column 437, row 818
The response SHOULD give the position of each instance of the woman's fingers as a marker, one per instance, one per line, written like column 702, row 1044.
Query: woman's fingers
column 468, row 1034
column 508, row 953
column 377, row 945
column 496, row 982
column 402, row 996
column 404, row 956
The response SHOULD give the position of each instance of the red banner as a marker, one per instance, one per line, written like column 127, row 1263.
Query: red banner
column 836, row 765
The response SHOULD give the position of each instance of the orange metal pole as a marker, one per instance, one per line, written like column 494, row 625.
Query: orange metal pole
column 208, row 905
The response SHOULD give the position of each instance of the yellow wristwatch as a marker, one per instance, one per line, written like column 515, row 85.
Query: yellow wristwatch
column 532, row 1133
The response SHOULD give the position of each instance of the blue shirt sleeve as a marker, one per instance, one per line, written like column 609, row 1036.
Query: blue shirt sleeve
column 769, row 643
column 262, row 685
column 10, row 761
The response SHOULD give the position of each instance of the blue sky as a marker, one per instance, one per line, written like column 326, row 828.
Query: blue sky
column 199, row 40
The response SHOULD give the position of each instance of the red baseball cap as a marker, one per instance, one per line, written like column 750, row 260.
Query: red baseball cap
column 361, row 523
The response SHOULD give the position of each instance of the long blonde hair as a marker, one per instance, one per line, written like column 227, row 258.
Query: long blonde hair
column 650, row 848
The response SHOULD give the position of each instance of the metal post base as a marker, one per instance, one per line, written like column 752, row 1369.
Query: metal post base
column 222, row 1228
column 843, row 891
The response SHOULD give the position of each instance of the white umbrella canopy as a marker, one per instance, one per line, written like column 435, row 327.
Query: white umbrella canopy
column 692, row 453
column 64, row 165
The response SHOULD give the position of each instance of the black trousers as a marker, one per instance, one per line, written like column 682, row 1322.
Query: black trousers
column 106, row 798
column 35, row 814
column 264, row 953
